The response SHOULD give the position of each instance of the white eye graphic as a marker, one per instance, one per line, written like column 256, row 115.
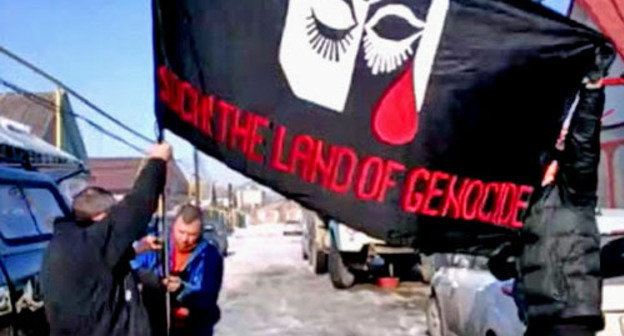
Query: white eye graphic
column 319, row 45
column 329, row 28
column 335, row 14
column 384, row 55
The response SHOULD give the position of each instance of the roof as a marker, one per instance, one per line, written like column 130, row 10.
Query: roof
column 114, row 174
column 40, row 116
column 249, row 185
column 16, row 141
column 117, row 174
column 16, row 174
column 280, row 204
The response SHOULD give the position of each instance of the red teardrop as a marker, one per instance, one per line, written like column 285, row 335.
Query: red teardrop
column 395, row 119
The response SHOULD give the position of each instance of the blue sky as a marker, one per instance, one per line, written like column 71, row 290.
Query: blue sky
column 102, row 49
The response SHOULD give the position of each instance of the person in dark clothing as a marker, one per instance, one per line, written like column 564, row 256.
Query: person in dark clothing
column 557, row 265
column 87, row 285
column 195, row 281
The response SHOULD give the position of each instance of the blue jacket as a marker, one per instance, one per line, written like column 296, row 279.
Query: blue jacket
column 201, row 283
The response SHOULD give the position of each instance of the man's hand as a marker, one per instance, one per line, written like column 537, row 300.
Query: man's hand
column 604, row 58
column 147, row 243
column 160, row 151
column 172, row 283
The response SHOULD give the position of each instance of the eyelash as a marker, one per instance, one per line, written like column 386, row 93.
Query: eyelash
column 328, row 42
column 381, row 58
column 383, row 55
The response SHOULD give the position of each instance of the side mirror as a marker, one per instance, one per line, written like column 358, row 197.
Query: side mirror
column 612, row 258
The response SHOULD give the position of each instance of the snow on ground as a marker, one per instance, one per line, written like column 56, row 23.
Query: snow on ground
column 269, row 290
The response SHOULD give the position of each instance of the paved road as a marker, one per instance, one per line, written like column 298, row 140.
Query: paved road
column 269, row 290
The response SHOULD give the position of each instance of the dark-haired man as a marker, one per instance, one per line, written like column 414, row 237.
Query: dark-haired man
column 87, row 284
column 196, row 273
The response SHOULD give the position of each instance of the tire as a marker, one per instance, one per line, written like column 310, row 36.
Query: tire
column 339, row 274
column 318, row 260
column 426, row 271
column 435, row 321
column 304, row 255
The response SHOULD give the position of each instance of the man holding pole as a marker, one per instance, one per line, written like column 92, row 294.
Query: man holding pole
column 196, row 272
column 87, row 284
column 558, row 260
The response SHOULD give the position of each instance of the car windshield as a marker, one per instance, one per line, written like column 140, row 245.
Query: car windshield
column 44, row 207
column 26, row 212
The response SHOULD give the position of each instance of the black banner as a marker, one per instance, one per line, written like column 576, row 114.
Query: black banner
column 418, row 122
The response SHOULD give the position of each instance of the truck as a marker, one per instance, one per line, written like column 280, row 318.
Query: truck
column 354, row 254
column 30, row 201
column 349, row 255
column 315, row 242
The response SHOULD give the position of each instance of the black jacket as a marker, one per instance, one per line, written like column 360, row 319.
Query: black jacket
column 559, row 264
column 87, row 284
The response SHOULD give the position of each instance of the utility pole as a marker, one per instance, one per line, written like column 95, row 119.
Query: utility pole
column 214, row 194
column 230, row 196
column 58, row 119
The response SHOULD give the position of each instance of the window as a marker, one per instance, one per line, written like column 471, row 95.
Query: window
column 44, row 206
column 16, row 220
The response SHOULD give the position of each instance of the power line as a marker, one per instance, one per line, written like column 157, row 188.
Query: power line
column 51, row 105
column 73, row 93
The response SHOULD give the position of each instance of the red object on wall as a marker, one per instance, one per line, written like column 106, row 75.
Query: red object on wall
column 609, row 148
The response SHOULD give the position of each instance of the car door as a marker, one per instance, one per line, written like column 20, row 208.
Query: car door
column 467, row 282
column 27, row 214
column 447, row 283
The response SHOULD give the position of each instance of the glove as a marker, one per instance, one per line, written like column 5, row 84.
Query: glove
column 604, row 59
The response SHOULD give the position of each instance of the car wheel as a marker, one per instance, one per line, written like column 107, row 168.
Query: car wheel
column 426, row 270
column 340, row 275
column 318, row 260
column 435, row 321
column 304, row 255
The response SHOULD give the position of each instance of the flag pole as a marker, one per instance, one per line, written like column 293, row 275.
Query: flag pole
column 197, row 181
column 160, row 132
column 164, row 234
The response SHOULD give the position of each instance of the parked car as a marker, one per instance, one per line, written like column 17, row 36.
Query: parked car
column 429, row 264
column 354, row 253
column 227, row 218
column 314, row 242
column 467, row 300
column 29, row 203
column 215, row 231
column 611, row 226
